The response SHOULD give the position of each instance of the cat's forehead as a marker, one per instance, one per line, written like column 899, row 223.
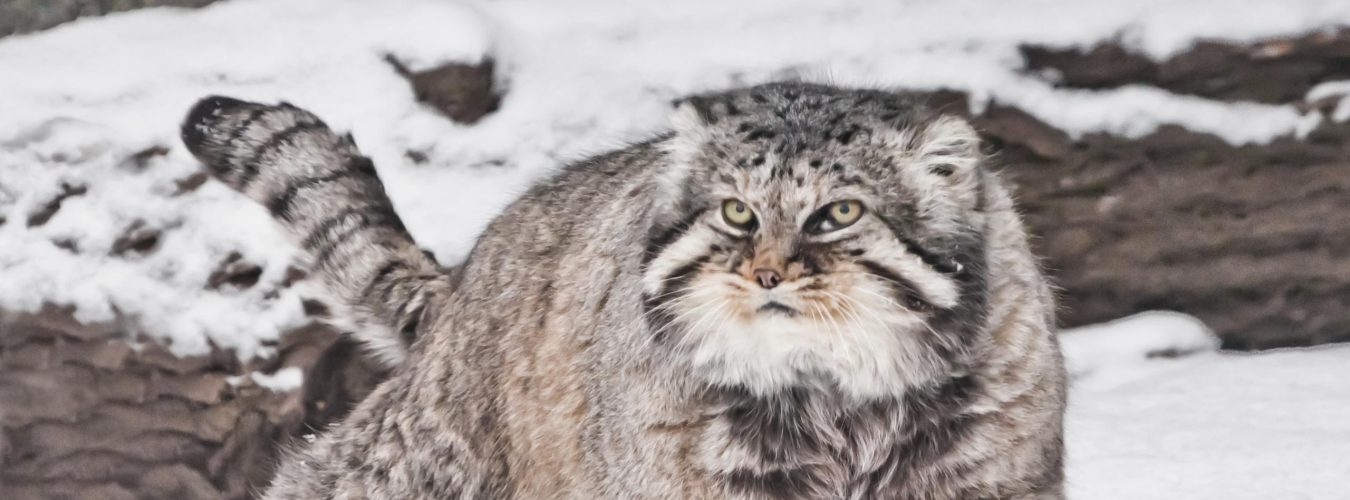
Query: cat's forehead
column 804, row 116
column 798, row 141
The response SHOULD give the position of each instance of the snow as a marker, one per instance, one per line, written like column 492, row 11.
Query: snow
column 1156, row 411
column 1105, row 355
column 286, row 379
column 1206, row 425
column 581, row 77
column 1339, row 90
column 163, row 291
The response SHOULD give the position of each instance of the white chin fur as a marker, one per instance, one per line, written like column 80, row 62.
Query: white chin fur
column 868, row 358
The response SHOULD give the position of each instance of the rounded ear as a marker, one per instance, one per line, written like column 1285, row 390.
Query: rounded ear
column 689, row 123
column 690, row 117
column 940, row 162
column 948, row 147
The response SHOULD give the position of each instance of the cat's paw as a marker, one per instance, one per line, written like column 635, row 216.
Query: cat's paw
column 234, row 138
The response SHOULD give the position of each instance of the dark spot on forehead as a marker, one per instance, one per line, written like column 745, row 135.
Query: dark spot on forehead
column 760, row 133
column 846, row 136
column 815, row 125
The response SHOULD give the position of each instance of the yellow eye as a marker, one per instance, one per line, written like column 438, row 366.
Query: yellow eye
column 737, row 214
column 843, row 213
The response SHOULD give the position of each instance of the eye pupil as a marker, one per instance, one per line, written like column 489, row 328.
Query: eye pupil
column 738, row 214
column 839, row 215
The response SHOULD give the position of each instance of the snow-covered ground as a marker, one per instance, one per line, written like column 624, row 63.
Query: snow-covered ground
column 586, row 75
column 1156, row 413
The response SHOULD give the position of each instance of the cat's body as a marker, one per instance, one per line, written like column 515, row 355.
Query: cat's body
column 611, row 337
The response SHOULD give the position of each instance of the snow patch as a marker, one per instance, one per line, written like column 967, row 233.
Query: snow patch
column 71, row 258
column 1339, row 90
column 1118, row 348
column 1218, row 426
column 284, row 380
column 1155, row 411
column 1121, row 352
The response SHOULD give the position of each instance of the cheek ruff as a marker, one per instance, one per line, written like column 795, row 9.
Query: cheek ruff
column 853, row 336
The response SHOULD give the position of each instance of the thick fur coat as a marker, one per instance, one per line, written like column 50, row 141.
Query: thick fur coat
column 800, row 292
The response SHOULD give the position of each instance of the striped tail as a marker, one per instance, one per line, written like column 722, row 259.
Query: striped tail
column 329, row 199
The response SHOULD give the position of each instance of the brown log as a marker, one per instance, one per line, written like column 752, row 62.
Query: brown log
column 1278, row 70
column 1254, row 240
column 85, row 414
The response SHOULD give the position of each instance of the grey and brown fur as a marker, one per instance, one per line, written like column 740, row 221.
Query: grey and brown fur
column 610, row 336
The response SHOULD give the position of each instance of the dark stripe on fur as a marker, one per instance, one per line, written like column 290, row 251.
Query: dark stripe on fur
column 772, row 484
column 380, row 276
column 228, row 147
column 783, row 431
column 243, row 126
column 906, row 290
column 935, row 422
column 659, row 319
column 369, row 216
column 252, row 167
column 930, row 258
column 678, row 278
column 960, row 326
column 939, row 264
column 659, row 240
column 281, row 204
column 409, row 330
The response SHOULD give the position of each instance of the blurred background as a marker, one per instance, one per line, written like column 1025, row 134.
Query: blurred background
column 1183, row 165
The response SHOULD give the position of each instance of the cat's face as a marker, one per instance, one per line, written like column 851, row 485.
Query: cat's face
column 809, row 241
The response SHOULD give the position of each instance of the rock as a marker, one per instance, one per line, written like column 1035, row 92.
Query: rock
column 463, row 92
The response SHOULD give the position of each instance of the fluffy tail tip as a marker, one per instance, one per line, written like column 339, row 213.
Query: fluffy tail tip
column 202, row 121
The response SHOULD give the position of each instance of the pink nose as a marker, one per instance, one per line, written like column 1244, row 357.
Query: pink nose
column 768, row 278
